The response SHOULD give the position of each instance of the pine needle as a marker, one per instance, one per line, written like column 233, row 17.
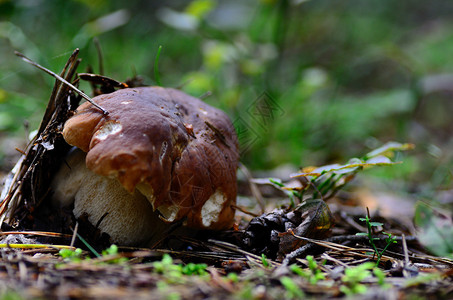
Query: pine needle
column 35, row 246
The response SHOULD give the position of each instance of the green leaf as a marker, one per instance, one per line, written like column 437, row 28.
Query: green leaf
column 200, row 8
column 264, row 261
column 299, row 271
column 379, row 160
column 293, row 290
column 380, row 275
column 342, row 169
column 376, row 224
column 388, row 148
column 362, row 233
column 276, row 182
column 112, row 250
column 194, row 269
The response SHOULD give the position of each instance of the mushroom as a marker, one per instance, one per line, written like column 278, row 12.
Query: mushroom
column 159, row 156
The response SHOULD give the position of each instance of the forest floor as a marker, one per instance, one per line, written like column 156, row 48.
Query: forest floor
column 221, row 266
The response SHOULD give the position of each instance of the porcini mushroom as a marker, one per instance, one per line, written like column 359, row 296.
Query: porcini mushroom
column 157, row 144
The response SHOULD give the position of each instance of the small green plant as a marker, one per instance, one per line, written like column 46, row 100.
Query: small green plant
column 71, row 255
column 390, row 240
column 10, row 295
column 353, row 277
column 265, row 261
column 422, row 278
column 174, row 272
column 166, row 266
column 233, row 277
column 166, row 291
column 77, row 255
column 293, row 194
column 113, row 251
column 293, row 291
column 325, row 181
column 380, row 275
column 314, row 268
column 194, row 269
column 314, row 275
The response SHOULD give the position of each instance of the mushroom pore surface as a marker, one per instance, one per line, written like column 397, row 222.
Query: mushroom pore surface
column 179, row 152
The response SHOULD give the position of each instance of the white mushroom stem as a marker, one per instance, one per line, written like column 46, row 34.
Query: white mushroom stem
column 127, row 218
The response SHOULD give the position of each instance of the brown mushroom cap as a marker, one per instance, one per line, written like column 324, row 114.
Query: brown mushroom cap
column 181, row 153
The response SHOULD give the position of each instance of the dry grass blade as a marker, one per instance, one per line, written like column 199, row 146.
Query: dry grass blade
column 365, row 253
column 250, row 256
column 326, row 244
column 37, row 233
column 85, row 96
column 29, row 180
column 68, row 71
column 244, row 210
column 212, row 251
column 207, row 256
column 343, row 253
column 35, row 246
column 337, row 261
column 100, row 79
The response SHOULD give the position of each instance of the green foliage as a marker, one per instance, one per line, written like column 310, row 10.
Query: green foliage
column 166, row 290
column 380, row 275
column 10, row 295
column 435, row 229
column 315, row 270
column 332, row 93
column 264, row 261
column 313, row 275
column 293, row 194
column 194, row 269
column 175, row 272
column 324, row 182
column 351, row 281
column 353, row 277
column 233, row 277
column 390, row 240
column 16, row 108
column 200, row 8
column 422, row 279
column 293, row 291
column 77, row 255
column 112, row 250
column 164, row 265
column 71, row 255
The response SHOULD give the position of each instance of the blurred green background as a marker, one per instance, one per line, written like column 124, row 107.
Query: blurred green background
column 306, row 82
